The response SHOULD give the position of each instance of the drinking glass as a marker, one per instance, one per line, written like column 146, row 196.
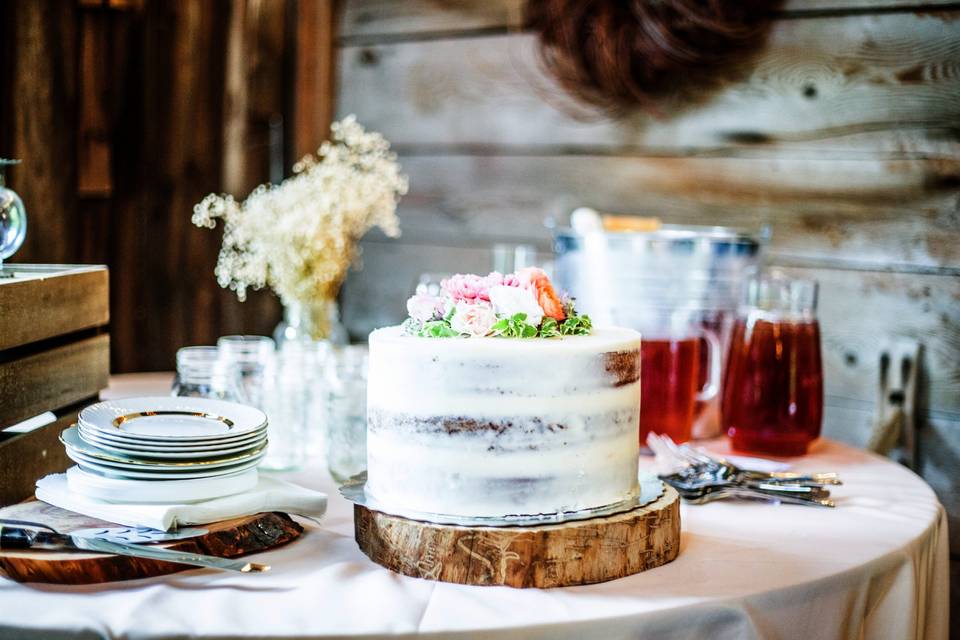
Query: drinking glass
column 200, row 374
column 347, row 411
column 773, row 384
column 253, row 359
column 286, row 405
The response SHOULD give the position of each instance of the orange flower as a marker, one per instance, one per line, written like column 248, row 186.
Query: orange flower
column 546, row 296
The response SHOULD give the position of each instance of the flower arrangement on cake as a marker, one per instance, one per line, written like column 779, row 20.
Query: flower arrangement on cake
column 300, row 237
column 523, row 304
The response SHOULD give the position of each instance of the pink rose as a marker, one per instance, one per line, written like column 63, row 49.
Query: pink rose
column 465, row 287
column 473, row 319
column 423, row 307
column 497, row 279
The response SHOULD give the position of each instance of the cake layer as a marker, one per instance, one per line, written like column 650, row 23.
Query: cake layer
column 516, row 483
column 497, row 377
column 507, row 433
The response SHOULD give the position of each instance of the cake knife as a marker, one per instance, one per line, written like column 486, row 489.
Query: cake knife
column 21, row 538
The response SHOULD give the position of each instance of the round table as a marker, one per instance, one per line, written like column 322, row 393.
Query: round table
column 874, row 567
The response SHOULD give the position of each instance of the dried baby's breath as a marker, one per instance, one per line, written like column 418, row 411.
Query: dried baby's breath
column 300, row 237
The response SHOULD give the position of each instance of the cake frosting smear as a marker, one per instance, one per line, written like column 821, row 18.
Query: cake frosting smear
column 496, row 398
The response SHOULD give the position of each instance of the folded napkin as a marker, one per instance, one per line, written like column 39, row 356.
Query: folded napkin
column 270, row 494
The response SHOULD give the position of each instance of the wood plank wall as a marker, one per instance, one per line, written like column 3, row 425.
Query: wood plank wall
column 844, row 138
column 127, row 113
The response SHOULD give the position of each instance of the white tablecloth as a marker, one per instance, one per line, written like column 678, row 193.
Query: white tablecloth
column 874, row 567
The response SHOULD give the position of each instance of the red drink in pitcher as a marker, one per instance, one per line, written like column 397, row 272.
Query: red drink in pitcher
column 668, row 386
column 773, row 386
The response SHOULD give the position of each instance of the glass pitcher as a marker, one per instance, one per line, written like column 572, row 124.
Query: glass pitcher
column 773, row 384
column 679, row 369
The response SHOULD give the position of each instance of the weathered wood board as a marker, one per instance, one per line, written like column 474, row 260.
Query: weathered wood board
column 372, row 19
column 583, row 552
column 227, row 539
column 819, row 82
column 54, row 378
column 72, row 298
column 882, row 212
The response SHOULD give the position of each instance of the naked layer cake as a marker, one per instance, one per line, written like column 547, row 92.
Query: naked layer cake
column 496, row 398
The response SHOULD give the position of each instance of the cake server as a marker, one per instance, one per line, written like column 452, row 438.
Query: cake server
column 22, row 538
column 137, row 535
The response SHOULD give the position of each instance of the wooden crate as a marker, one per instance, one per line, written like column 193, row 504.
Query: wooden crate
column 54, row 357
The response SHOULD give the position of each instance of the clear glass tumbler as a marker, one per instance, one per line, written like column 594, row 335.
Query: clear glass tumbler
column 773, row 385
column 253, row 359
column 200, row 374
column 347, row 411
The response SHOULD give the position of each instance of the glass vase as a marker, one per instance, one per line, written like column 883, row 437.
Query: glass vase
column 311, row 322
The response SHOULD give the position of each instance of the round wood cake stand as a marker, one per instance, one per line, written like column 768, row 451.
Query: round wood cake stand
column 227, row 539
column 557, row 555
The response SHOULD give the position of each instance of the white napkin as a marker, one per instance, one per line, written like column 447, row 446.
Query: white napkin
column 270, row 494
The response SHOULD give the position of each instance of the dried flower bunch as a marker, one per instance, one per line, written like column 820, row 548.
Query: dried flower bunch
column 300, row 237
column 516, row 305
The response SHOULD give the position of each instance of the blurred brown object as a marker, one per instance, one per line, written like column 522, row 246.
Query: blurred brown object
column 127, row 113
column 623, row 56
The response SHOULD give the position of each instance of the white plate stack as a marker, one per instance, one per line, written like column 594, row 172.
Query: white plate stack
column 165, row 449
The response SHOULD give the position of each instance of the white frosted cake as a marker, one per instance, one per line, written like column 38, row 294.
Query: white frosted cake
column 471, row 419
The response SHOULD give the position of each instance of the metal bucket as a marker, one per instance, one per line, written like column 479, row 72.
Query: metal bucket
column 635, row 279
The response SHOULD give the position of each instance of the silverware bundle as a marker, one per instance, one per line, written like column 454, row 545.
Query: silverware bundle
column 700, row 478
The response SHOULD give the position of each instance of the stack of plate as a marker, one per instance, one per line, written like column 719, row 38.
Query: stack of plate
column 166, row 439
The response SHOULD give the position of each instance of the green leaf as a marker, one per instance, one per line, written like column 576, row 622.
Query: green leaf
column 519, row 317
column 576, row 326
column 528, row 331
column 437, row 329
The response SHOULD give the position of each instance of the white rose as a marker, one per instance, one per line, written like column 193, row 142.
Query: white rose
column 473, row 319
column 509, row 301
column 424, row 307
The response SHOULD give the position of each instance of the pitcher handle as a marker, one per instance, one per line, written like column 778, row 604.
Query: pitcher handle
column 712, row 387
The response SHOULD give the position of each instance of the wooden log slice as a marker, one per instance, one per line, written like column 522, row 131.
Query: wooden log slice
column 582, row 552
column 227, row 539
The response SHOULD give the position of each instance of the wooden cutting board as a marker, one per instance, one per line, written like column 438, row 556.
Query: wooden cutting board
column 228, row 539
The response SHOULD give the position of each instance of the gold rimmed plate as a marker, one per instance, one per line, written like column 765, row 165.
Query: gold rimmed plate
column 167, row 419
column 106, row 471
column 80, row 450
column 173, row 454
column 102, row 439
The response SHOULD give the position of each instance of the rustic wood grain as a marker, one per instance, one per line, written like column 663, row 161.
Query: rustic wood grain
column 572, row 553
column 880, row 212
column 821, row 84
column 372, row 19
column 253, row 93
column 42, row 123
column 162, row 264
column 93, row 128
column 69, row 300
column 314, row 74
column 26, row 458
column 150, row 87
column 227, row 539
column 54, row 378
